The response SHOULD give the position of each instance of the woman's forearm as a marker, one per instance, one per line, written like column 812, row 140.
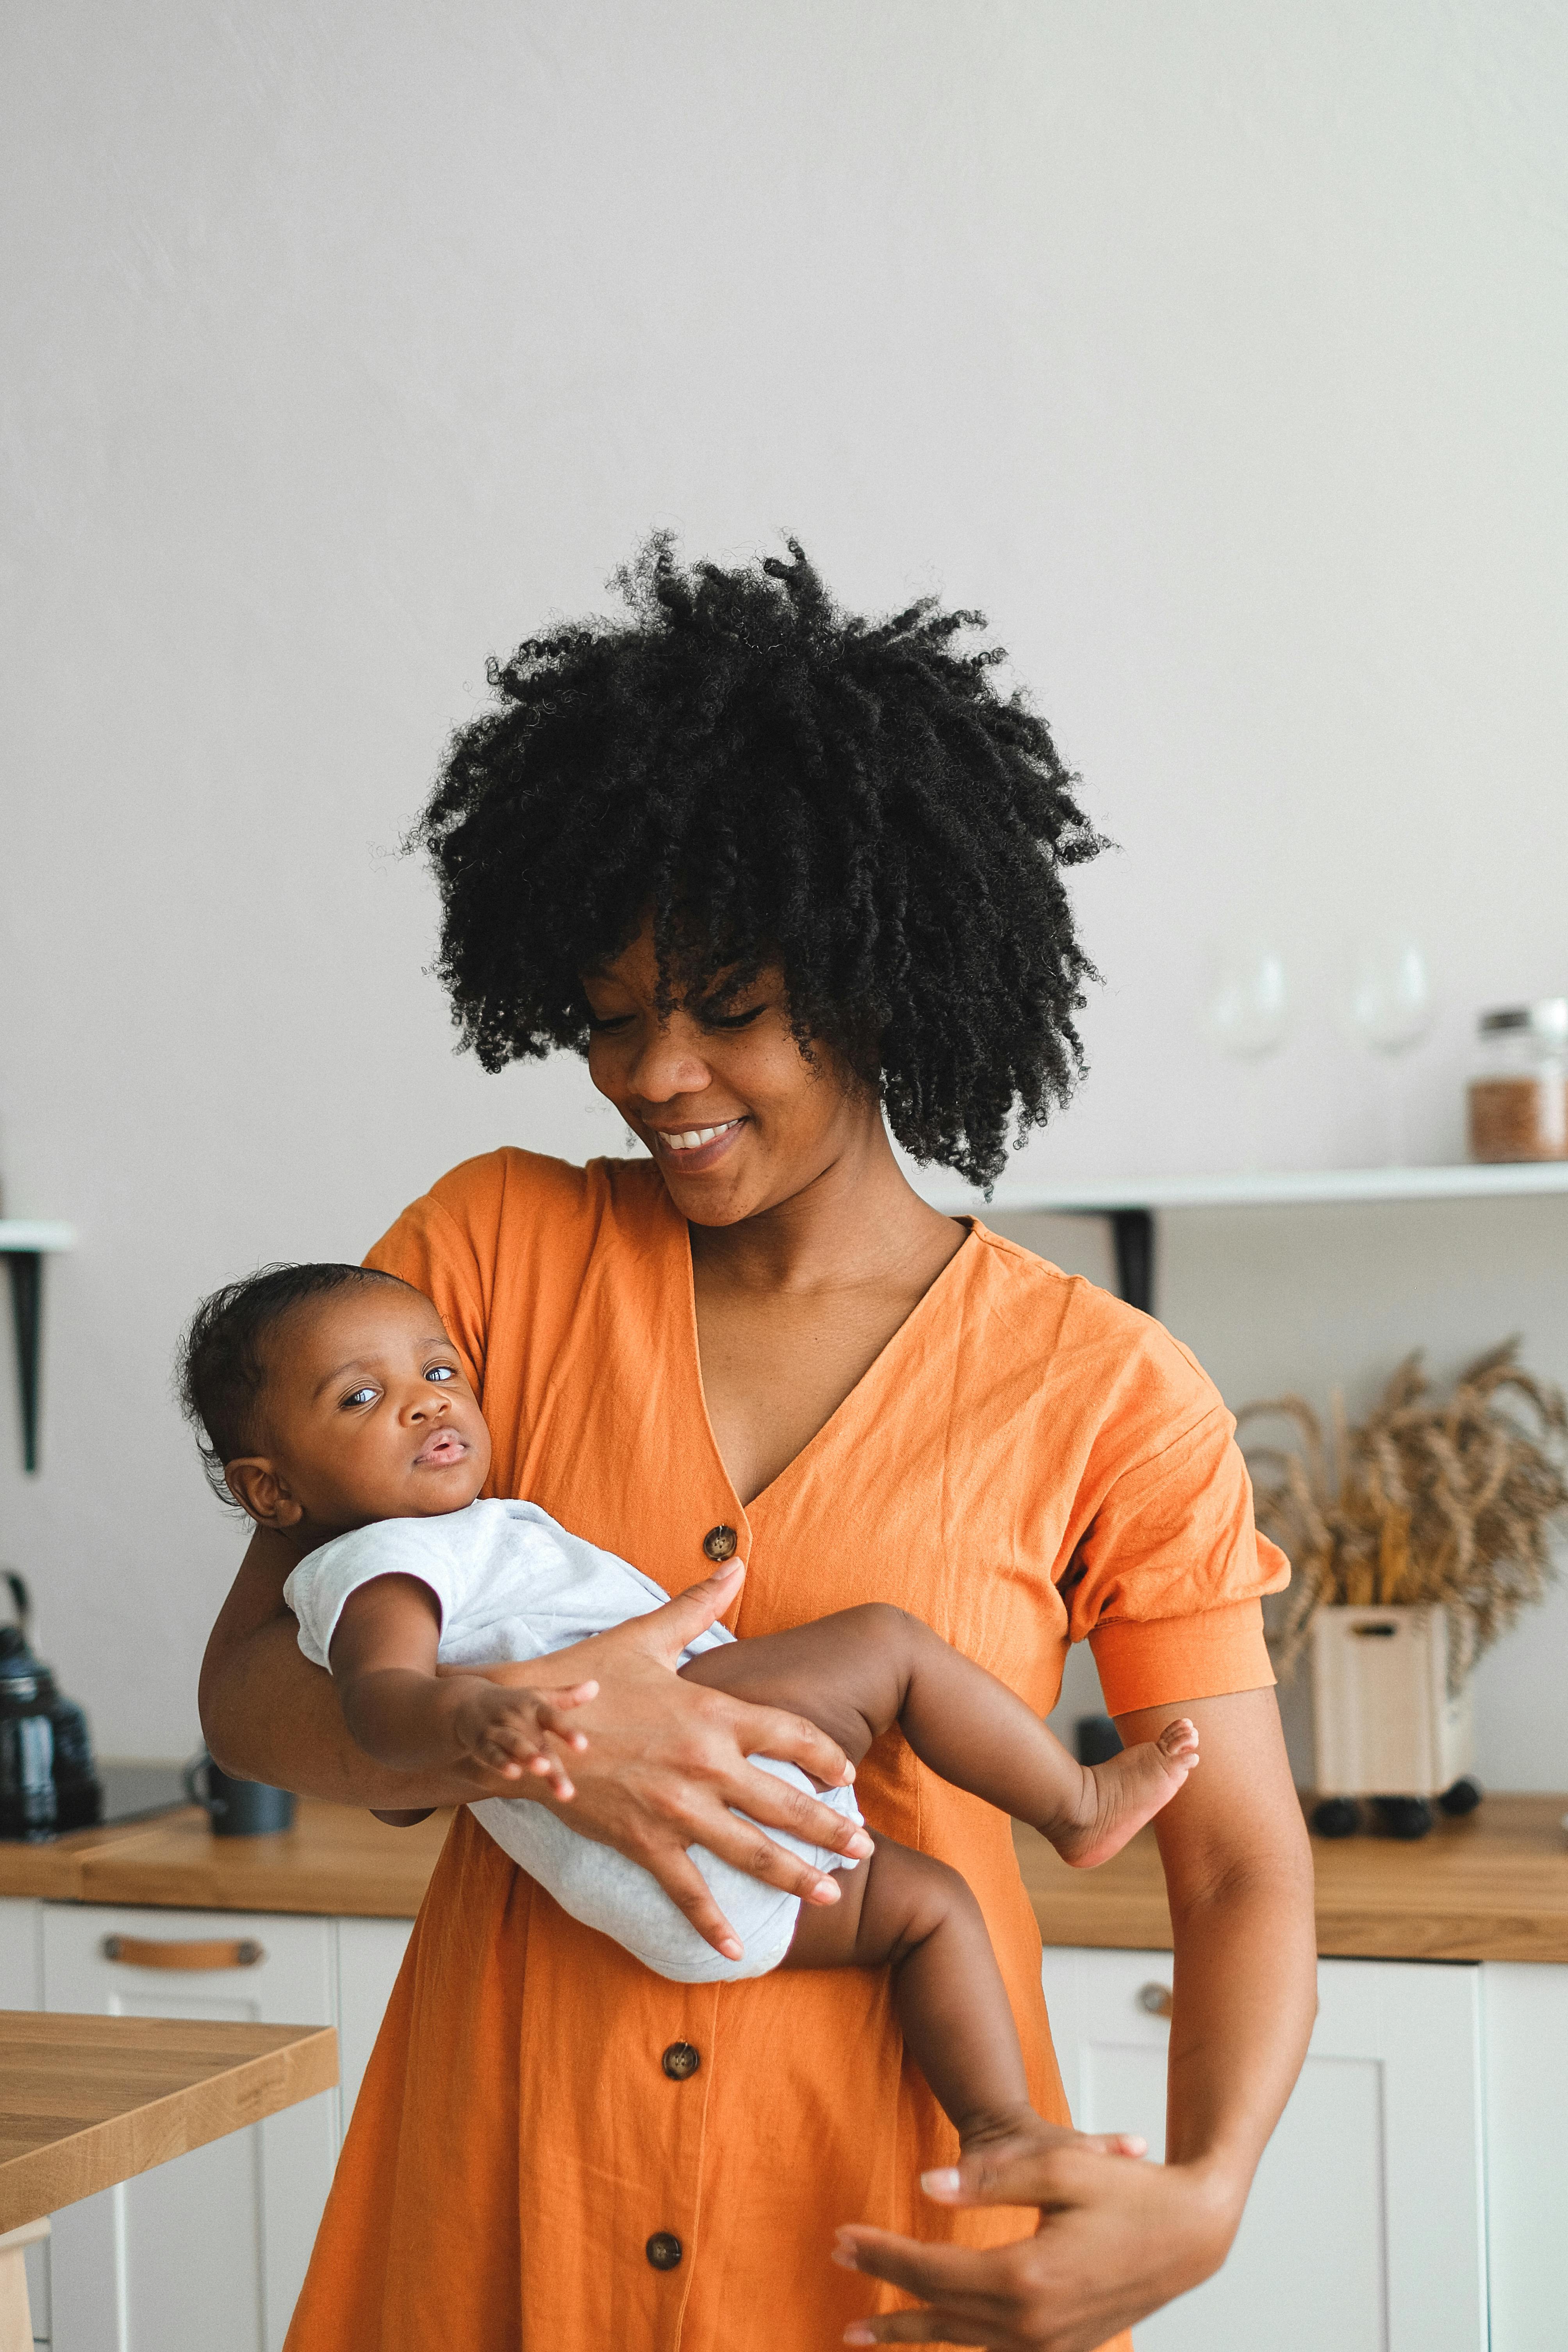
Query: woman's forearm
column 1238, row 1872
column 1245, row 1999
column 269, row 1715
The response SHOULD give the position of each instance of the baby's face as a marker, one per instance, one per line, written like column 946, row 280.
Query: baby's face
column 369, row 1416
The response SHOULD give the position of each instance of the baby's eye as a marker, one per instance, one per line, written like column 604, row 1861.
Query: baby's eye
column 440, row 1372
column 361, row 1396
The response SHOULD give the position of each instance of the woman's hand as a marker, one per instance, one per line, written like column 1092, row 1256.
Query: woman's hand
column 1115, row 2241
column 666, row 1765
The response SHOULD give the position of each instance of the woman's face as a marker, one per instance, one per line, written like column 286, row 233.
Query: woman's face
column 736, row 1117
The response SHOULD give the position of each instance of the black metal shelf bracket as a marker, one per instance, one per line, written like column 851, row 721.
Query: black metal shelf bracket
column 1133, row 1234
column 26, row 1268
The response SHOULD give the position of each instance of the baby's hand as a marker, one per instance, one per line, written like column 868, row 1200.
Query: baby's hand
column 507, row 1729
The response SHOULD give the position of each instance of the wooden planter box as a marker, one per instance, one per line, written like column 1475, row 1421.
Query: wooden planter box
column 1385, row 1722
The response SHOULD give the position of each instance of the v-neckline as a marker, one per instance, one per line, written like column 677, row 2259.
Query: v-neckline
column 681, row 1237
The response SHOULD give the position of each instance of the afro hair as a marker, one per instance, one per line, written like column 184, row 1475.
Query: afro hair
column 775, row 783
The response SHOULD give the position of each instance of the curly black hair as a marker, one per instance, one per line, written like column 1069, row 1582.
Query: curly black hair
column 775, row 783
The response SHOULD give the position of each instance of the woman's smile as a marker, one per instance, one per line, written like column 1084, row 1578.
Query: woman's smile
column 692, row 1150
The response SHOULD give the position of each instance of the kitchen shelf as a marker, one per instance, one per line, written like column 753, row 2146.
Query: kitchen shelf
column 1130, row 1202
column 25, row 1243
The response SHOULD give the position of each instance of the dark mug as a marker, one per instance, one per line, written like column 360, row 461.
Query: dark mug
column 237, row 1808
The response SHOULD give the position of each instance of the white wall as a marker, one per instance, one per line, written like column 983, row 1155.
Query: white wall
column 1216, row 351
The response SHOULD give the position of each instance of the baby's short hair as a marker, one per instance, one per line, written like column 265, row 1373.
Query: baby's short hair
column 221, row 1369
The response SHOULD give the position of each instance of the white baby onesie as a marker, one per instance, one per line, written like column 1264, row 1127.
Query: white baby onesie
column 513, row 1585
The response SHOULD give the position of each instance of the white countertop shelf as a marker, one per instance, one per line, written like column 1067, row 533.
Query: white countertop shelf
column 1259, row 1190
column 35, row 1233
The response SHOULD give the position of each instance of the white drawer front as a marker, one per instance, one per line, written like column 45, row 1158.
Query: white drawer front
column 206, row 2253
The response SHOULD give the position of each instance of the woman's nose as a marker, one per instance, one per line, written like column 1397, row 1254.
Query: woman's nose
column 667, row 1063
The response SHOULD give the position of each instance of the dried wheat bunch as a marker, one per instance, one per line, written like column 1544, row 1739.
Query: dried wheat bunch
column 1450, row 1502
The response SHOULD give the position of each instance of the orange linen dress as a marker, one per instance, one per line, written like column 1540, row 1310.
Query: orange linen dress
column 1028, row 1461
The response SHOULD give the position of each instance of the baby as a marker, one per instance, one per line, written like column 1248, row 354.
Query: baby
column 335, row 1410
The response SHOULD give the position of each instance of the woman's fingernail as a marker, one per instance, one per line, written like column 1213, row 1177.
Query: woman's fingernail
column 849, row 1775
column 844, row 2255
column 858, row 2335
column 945, row 2183
column 730, row 1949
column 861, row 1846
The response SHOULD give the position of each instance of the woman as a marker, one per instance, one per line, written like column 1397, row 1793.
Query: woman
column 787, row 879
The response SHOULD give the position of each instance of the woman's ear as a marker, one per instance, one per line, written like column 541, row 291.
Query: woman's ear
column 259, row 1490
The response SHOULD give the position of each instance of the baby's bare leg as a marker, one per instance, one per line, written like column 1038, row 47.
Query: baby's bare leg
column 854, row 1674
column 908, row 1912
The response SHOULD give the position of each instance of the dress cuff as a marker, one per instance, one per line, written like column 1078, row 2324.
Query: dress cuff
column 1166, row 1659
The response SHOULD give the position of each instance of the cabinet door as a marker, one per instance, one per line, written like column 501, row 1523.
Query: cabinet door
column 370, row 1953
column 1365, row 2228
column 206, row 2253
column 1527, row 2165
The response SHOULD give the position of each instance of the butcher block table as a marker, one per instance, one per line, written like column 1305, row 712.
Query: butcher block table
column 86, row 2101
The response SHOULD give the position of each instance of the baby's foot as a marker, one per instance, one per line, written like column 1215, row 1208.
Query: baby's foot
column 1121, row 1795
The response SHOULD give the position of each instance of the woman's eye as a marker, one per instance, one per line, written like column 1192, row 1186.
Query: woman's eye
column 360, row 1396
column 732, row 1020
column 440, row 1372
column 604, row 1024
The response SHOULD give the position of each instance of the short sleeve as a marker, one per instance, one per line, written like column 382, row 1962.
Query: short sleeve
column 1166, row 1582
column 319, row 1588
column 446, row 1248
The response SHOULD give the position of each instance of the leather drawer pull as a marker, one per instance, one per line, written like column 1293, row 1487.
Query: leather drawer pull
column 142, row 1952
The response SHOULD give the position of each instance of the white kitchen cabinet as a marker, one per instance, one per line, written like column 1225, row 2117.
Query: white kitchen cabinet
column 1366, row 2226
column 1526, row 2015
column 206, row 2253
column 370, row 1953
column 21, row 1952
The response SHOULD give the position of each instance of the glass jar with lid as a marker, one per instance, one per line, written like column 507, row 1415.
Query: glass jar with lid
column 1519, row 1095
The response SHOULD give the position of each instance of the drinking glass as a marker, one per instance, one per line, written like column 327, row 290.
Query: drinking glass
column 1386, row 1003
column 1247, row 1016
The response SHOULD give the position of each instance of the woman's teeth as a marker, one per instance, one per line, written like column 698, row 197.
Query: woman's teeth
column 692, row 1139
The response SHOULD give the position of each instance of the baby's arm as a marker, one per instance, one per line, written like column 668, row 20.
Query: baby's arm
column 383, row 1659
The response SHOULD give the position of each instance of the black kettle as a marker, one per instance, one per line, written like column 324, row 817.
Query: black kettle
column 47, row 1783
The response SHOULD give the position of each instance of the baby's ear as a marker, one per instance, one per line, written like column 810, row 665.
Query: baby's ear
column 256, row 1487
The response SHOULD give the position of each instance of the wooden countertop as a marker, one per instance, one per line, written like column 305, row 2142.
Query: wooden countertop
column 1493, row 1887
column 87, row 2101
column 335, row 1861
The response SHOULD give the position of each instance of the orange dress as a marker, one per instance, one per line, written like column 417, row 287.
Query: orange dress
column 1028, row 1461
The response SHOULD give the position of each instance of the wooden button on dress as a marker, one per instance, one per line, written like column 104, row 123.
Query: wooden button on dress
column 719, row 1543
column 664, row 2250
column 681, row 2061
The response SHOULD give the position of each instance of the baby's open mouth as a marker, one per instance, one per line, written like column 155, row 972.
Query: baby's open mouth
column 437, row 1452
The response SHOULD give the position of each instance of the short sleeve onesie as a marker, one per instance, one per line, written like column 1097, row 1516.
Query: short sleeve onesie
column 1029, row 1462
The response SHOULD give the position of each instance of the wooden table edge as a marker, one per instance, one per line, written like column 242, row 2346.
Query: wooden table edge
column 106, row 2151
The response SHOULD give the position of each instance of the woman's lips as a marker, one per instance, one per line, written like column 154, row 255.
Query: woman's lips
column 690, row 1150
column 438, row 1451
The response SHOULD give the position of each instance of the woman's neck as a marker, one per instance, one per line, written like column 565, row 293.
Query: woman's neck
column 857, row 1221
